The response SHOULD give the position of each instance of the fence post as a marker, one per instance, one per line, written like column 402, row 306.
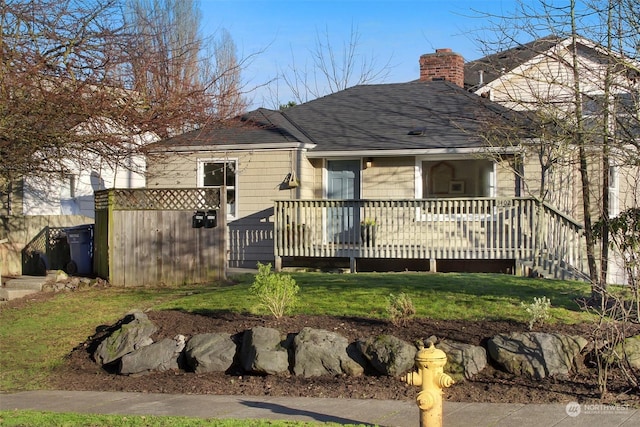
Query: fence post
column 223, row 241
column 1, row 242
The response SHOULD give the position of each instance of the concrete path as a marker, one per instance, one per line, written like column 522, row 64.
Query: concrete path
column 342, row 411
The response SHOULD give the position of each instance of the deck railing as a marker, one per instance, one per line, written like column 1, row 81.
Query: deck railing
column 466, row 228
column 562, row 246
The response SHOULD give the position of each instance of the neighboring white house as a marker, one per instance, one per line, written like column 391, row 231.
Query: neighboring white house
column 72, row 194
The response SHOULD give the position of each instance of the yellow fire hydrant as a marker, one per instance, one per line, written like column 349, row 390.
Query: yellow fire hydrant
column 431, row 379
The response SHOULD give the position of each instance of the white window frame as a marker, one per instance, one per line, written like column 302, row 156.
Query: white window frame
column 614, row 187
column 232, row 210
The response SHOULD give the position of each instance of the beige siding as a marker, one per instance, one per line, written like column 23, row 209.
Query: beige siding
column 505, row 180
column 175, row 170
column 260, row 176
column 389, row 177
column 629, row 193
column 315, row 170
column 260, row 182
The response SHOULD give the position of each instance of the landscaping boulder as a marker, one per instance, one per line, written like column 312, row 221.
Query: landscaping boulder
column 389, row 355
column 262, row 352
column 318, row 352
column 465, row 359
column 212, row 352
column 160, row 356
column 536, row 354
column 630, row 348
column 133, row 332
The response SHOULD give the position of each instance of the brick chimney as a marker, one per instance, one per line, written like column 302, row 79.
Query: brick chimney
column 442, row 65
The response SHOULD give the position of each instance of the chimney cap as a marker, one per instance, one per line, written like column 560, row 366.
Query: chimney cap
column 444, row 50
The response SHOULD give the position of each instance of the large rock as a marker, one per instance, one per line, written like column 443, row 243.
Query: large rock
column 467, row 359
column 318, row 352
column 630, row 348
column 536, row 354
column 160, row 356
column 388, row 355
column 262, row 352
column 213, row 352
column 134, row 332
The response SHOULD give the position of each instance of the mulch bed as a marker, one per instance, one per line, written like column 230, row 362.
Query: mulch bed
column 80, row 372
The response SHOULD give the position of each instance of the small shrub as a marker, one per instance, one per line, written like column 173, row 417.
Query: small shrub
column 538, row 310
column 276, row 291
column 400, row 309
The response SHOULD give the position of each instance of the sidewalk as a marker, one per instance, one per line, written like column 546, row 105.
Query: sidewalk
column 342, row 411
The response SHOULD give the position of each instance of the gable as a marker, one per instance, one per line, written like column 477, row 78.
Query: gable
column 528, row 77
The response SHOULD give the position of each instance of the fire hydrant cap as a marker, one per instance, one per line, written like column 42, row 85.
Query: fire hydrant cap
column 431, row 353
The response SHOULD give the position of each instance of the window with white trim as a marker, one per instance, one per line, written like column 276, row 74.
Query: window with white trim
column 215, row 173
column 614, row 202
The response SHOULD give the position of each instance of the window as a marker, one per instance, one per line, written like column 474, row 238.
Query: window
column 625, row 104
column 218, row 172
column 614, row 203
column 625, row 113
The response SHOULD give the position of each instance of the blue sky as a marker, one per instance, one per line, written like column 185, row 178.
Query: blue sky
column 397, row 32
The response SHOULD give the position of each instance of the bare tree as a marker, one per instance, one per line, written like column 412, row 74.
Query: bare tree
column 332, row 69
column 227, row 87
column 83, row 80
column 55, row 55
column 173, row 69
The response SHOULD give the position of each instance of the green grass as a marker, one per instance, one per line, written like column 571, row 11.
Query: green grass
column 438, row 296
column 35, row 339
column 50, row 419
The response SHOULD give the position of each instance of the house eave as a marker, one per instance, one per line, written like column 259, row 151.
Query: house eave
column 412, row 152
column 234, row 147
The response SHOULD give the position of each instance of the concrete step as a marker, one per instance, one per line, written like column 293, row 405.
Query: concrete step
column 11, row 294
column 25, row 282
column 21, row 286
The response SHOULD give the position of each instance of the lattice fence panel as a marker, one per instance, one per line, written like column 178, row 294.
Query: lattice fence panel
column 170, row 199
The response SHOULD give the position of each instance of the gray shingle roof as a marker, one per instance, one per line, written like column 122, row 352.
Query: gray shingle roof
column 403, row 116
column 382, row 117
column 261, row 126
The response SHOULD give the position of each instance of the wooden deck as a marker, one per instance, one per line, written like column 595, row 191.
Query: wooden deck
column 519, row 229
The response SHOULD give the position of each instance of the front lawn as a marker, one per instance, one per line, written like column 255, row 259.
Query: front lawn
column 36, row 336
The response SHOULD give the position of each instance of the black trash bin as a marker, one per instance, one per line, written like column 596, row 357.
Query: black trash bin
column 80, row 240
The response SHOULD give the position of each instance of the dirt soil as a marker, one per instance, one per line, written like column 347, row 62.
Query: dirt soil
column 80, row 372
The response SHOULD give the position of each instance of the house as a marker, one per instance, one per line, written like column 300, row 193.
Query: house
column 386, row 176
column 539, row 77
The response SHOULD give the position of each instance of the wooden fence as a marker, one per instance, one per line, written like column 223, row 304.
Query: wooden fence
column 147, row 236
